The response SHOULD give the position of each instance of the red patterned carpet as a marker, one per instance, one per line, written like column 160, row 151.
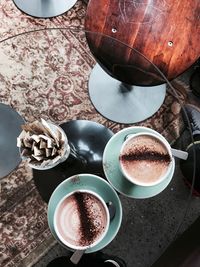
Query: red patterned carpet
column 45, row 74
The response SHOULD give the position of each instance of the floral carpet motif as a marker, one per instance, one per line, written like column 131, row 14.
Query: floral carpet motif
column 45, row 74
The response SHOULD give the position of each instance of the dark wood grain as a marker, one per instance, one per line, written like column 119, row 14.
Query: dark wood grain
column 150, row 27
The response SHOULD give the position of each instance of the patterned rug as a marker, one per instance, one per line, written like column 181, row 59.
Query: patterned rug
column 45, row 74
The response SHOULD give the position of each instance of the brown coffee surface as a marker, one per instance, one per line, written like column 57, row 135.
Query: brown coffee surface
column 81, row 219
column 145, row 159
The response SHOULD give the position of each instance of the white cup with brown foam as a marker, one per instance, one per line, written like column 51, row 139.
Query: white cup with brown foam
column 145, row 159
column 81, row 219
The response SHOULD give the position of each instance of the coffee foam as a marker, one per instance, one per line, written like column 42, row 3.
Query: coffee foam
column 81, row 219
column 145, row 159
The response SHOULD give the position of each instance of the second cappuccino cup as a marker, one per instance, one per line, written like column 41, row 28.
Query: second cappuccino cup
column 81, row 219
column 145, row 159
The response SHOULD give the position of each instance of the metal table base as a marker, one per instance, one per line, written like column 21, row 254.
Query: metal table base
column 123, row 103
column 44, row 8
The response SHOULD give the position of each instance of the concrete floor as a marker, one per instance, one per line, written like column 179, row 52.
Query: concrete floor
column 149, row 225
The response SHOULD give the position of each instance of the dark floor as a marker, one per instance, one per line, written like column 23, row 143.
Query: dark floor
column 149, row 225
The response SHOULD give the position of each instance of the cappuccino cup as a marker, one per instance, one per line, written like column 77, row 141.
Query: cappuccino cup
column 145, row 159
column 81, row 219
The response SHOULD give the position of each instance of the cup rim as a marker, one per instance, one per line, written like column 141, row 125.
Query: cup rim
column 161, row 178
column 102, row 235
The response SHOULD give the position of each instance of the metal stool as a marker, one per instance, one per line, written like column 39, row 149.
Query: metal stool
column 10, row 128
column 44, row 8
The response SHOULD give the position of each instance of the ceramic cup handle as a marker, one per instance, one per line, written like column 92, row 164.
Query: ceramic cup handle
column 179, row 153
column 75, row 258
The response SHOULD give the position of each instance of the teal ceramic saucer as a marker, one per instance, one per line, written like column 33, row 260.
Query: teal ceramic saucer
column 93, row 183
column 114, row 175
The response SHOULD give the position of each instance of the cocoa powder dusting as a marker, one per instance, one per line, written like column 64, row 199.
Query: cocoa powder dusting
column 146, row 154
column 88, row 231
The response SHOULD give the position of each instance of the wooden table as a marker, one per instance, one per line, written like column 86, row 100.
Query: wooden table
column 166, row 32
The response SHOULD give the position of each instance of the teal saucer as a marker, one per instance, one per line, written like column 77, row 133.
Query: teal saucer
column 114, row 175
column 93, row 183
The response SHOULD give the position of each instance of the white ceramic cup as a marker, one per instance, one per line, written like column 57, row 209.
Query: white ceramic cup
column 145, row 182
column 96, row 241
